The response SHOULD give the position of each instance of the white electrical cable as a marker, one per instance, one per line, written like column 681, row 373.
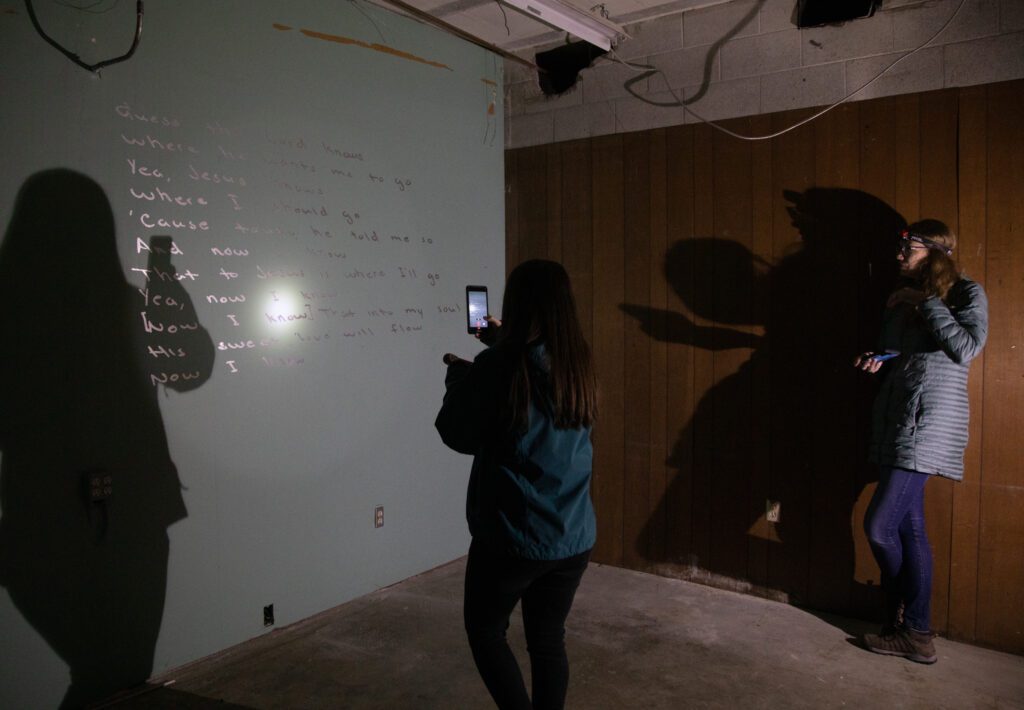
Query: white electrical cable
column 639, row 68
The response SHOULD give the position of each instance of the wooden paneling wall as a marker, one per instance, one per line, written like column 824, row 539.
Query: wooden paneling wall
column 725, row 287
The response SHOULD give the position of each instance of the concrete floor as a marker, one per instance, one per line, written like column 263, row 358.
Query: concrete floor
column 635, row 641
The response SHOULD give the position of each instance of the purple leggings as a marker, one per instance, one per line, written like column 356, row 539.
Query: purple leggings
column 895, row 527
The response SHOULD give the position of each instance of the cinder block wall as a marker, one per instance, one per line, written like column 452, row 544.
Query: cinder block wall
column 746, row 57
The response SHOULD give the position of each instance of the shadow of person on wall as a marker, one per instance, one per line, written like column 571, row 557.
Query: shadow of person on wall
column 789, row 423
column 87, row 484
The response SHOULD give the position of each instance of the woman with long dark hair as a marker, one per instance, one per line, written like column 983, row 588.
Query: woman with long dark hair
column 523, row 408
column 933, row 326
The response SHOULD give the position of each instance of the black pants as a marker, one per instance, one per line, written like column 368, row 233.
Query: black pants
column 495, row 582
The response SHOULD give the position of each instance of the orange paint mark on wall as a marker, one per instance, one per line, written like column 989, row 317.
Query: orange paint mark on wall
column 489, row 82
column 281, row 27
column 375, row 47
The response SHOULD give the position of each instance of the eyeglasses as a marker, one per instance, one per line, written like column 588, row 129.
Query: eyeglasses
column 907, row 246
column 908, row 238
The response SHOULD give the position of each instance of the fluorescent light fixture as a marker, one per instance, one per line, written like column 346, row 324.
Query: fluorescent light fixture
column 585, row 25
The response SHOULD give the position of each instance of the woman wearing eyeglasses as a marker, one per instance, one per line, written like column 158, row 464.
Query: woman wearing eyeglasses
column 933, row 326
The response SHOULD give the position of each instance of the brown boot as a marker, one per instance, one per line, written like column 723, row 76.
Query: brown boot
column 914, row 645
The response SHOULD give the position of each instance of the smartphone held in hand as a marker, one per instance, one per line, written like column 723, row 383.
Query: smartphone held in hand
column 476, row 308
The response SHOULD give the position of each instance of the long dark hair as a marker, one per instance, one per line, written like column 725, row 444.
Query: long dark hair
column 538, row 306
column 939, row 271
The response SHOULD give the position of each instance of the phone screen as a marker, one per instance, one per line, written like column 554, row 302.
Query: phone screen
column 476, row 308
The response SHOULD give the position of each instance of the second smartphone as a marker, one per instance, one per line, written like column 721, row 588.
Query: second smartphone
column 476, row 308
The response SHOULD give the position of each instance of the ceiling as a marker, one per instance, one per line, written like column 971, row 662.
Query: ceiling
column 513, row 30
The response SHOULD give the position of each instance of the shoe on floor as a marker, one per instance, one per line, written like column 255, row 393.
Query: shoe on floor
column 903, row 642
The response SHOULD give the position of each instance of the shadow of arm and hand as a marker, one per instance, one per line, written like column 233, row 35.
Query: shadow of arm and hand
column 177, row 350
column 671, row 327
column 725, row 303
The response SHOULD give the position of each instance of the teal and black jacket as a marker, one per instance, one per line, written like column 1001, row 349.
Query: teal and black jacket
column 529, row 491
column 921, row 412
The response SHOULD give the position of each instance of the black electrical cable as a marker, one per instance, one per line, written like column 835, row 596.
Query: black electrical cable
column 74, row 57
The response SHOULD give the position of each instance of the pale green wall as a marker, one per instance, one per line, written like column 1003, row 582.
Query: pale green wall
column 281, row 467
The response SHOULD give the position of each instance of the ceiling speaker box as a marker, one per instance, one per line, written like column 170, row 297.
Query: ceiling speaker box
column 562, row 65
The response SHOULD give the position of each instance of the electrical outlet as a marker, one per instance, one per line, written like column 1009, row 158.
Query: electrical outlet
column 772, row 510
column 98, row 485
column 378, row 516
column 268, row 615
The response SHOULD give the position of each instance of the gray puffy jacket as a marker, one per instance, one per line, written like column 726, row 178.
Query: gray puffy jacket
column 920, row 415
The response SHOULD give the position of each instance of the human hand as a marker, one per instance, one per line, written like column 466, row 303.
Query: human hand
column 868, row 363
column 488, row 335
column 451, row 359
column 905, row 295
